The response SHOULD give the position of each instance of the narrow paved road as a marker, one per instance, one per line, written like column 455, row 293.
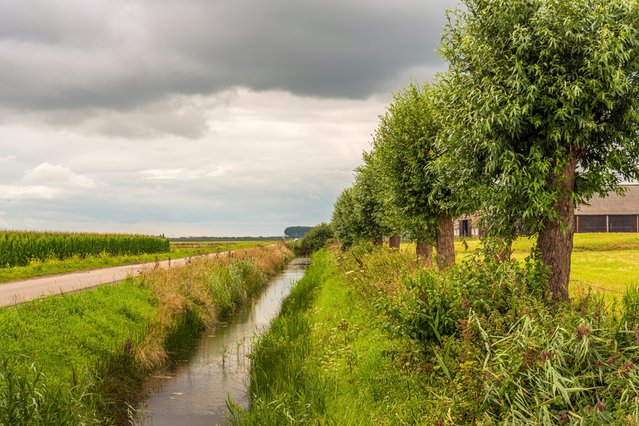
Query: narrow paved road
column 17, row 292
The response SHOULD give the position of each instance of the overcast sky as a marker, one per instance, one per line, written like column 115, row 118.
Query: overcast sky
column 196, row 117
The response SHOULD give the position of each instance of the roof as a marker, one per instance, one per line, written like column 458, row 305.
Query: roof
column 613, row 204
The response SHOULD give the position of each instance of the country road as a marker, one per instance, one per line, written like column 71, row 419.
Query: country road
column 16, row 292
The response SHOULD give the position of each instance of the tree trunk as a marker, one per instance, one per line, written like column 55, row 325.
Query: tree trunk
column 445, row 242
column 423, row 250
column 394, row 241
column 554, row 243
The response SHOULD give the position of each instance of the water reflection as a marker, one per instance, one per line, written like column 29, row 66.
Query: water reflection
column 198, row 391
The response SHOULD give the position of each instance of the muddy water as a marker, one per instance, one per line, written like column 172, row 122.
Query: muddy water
column 197, row 392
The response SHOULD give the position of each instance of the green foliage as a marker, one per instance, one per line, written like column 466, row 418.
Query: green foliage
column 326, row 360
column 281, row 353
column 344, row 221
column 315, row 239
column 499, row 353
column 27, row 398
column 539, row 90
column 232, row 286
column 404, row 142
column 432, row 304
column 19, row 248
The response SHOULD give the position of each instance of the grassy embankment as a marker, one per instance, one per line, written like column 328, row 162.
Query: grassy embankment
column 369, row 338
column 80, row 358
column 53, row 266
column 327, row 359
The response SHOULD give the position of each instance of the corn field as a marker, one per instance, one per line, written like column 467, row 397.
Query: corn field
column 19, row 248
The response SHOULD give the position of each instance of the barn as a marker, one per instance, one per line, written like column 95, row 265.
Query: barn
column 614, row 213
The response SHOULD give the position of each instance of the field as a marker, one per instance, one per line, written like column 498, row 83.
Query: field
column 52, row 266
column 606, row 263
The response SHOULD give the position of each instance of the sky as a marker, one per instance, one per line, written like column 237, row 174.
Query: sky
column 197, row 117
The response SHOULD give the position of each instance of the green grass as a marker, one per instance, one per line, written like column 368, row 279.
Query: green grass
column 80, row 358
column 327, row 360
column 38, row 268
column 350, row 348
column 57, row 349
column 601, row 262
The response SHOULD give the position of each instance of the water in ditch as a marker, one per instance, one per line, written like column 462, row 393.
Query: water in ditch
column 196, row 393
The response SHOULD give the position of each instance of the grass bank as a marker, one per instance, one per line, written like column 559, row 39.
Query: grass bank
column 369, row 338
column 52, row 266
column 81, row 358
column 327, row 359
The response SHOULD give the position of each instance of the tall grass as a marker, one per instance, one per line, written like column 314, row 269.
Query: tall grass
column 22, row 247
column 85, row 357
column 281, row 353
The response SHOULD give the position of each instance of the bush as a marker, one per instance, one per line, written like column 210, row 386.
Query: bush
column 432, row 304
column 315, row 239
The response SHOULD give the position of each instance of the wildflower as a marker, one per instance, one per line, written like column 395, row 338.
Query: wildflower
column 637, row 335
column 582, row 331
column 128, row 345
column 563, row 419
column 465, row 304
column 545, row 356
column 627, row 366
column 600, row 406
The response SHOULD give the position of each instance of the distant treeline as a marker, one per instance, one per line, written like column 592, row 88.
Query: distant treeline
column 185, row 239
column 297, row 231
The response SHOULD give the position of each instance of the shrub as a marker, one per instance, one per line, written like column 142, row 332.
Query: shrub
column 315, row 239
column 432, row 304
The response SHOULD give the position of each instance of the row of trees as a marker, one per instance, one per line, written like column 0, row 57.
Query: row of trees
column 538, row 111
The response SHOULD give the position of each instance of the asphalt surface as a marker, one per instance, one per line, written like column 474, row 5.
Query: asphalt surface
column 16, row 292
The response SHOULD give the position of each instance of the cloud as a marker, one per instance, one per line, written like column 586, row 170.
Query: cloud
column 270, row 160
column 102, row 54
column 47, row 181
column 57, row 176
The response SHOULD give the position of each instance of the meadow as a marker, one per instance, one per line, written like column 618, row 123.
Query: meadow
column 84, row 358
column 601, row 262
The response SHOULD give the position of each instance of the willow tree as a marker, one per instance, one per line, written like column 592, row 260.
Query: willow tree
column 547, row 101
column 344, row 221
column 405, row 141
column 369, row 207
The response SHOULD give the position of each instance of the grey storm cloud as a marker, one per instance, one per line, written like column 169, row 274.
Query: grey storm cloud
column 116, row 54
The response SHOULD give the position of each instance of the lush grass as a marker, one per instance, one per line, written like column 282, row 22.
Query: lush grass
column 81, row 357
column 327, row 360
column 367, row 338
column 601, row 262
column 39, row 268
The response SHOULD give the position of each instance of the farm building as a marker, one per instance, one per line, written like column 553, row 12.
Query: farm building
column 614, row 213
column 466, row 226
